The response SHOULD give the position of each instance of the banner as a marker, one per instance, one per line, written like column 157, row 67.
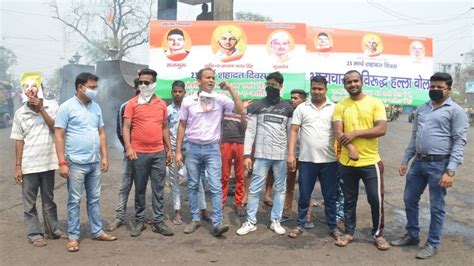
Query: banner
column 395, row 69
column 242, row 53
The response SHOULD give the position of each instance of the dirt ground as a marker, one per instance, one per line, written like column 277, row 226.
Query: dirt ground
column 315, row 247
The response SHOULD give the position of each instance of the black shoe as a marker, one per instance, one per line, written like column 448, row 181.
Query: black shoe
column 220, row 229
column 427, row 252
column 162, row 228
column 136, row 229
column 406, row 240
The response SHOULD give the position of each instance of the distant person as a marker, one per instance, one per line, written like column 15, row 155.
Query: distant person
column 205, row 14
column 33, row 132
column 10, row 95
column 127, row 176
column 178, row 91
column 437, row 143
column 297, row 97
column 82, row 153
column 228, row 38
column 280, row 46
column 323, row 42
column 176, row 43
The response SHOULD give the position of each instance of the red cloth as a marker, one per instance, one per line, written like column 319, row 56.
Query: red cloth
column 229, row 151
column 147, row 124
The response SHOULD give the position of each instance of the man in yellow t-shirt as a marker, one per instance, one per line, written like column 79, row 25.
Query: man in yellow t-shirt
column 358, row 122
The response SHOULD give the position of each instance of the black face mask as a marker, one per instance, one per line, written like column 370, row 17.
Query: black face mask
column 273, row 95
column 436, row 95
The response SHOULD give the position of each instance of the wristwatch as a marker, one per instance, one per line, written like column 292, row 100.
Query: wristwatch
column 450, row 172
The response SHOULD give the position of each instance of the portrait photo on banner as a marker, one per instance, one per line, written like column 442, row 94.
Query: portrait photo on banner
column 176, row 44
column 280, row 45
column 417, row 51
column 228, row 43
column 372, row 45
column 323, row 42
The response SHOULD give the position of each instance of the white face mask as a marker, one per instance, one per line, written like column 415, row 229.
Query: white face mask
column 146, row 92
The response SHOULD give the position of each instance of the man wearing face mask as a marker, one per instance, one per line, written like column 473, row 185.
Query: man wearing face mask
column 147, row 142
column 267, row 130
column 82, row 154
column 437, row 144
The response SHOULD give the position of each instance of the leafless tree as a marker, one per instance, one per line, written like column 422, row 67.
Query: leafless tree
column 111, row 28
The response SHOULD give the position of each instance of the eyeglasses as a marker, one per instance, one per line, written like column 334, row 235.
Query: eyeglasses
column 140, row 82
column 272, row 84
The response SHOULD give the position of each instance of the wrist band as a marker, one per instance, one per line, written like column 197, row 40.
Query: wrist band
column 62, row 163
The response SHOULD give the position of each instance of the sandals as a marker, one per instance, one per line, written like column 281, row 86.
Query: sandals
column 381, row 243
column 295, row 233
column 343, row 240
column 178, row 220
column 72, row 246
column 38, row 243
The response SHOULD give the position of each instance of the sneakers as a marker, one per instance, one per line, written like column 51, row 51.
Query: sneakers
column 427, row 252
column 276, row 227
column 308, row 225
column 162, row 228
column 136, row 229
column 246, row 228
column 116, row 223
column 406, row 240
column 220, row 229
column 191, row 227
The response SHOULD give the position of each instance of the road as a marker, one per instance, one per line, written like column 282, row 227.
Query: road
column 260, row 247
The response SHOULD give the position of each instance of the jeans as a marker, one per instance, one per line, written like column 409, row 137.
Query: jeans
column 372, row 176
column 153, row 166
column 175, row 191
column 308, row 174
column 207, row 157
column 33, row 182
column 421, row 174
column 88, row 176
column 235, row 151
column 125, row 187
column 259, row 174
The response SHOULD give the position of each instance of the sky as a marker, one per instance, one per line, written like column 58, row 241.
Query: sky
column 41, row 43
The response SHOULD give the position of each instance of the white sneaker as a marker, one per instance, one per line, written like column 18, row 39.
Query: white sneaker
column 276, row 227
column 246, row 228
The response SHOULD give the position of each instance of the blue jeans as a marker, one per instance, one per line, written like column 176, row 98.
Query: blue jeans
column 88, row 176
column 153, row 166
column 125, row 187
column 259, row 174
column 424, row 173
column 207, row 157
column 308, row 174
column 174, row 175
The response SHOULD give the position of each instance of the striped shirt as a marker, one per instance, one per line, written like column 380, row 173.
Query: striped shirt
column 39, row 153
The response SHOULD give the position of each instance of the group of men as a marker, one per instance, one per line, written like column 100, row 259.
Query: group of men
column 205, row 131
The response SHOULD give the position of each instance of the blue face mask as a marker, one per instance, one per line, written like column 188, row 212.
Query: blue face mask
column 90, row 93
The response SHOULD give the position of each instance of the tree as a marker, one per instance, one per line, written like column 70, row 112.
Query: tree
column 110, row 28
column 250, row 16
column 7, row 60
